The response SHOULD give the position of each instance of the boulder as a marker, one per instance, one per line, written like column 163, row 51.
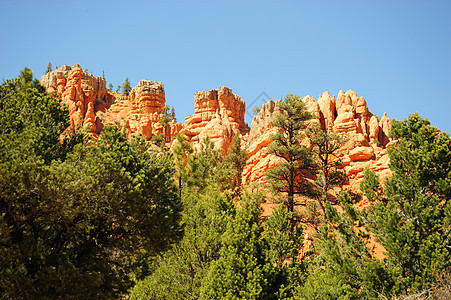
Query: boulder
column 361, row 153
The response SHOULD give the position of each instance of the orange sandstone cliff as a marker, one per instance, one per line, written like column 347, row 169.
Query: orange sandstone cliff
column 93, row 106
column 141, row 111
column 83, row 93
column 347, row 114
column 219, row 115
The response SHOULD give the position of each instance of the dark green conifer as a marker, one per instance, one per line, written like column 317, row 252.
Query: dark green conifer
column 126, row 87
column 49, row 68
column 412, row 220
column 297, row 164
column 325, row 144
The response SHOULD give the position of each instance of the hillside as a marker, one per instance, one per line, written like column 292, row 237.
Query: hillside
column 214, row 208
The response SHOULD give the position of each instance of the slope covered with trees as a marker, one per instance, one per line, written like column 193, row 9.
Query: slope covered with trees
column 77, row 217
column 111, row 217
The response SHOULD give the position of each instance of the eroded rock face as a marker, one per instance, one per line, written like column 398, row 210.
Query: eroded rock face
column 259, row 160
column 93, row 106
column 84, row 94
column 348, row 115
column 142, row 111
column 219, row 115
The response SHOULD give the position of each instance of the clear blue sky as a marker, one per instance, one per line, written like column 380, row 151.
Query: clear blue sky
column 396, row 54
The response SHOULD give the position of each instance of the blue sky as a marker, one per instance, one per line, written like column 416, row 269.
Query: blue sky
column 396, row 54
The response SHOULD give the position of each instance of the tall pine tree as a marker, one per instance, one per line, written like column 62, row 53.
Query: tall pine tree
column 236, row 157
column 126, row 87
column 325, row 144
column 413, row 221
column 257, row 261
column 297, row 164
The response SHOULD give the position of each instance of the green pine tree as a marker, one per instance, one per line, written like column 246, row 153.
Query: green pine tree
column 49, row 68
column 207, row 212
column 205, row 166
column 179, row 273
column 182, row 150
column 169, row 116
column 257, row 261
column 237, row 158
column 370, row 185
column 345, row 266
column 325, row 144
column 126, row 87
column 412, row 221
column 297, row 161
column 242, row 271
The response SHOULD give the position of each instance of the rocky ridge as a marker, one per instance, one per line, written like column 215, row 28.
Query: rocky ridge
column 141, row 111
column 219, row 115
column 93, row 106
column 84, row 94
column 345, row 114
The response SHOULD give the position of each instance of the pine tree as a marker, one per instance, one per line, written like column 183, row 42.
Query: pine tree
column 169, row 116
column 126, row 87
column 236, row 157
column 297, row 161
column 49, row 68
column 242, row 271
column 370, row 185
column 325, row 144
column 182, row 150
column 345, row 266
column 205, row 165
column 179, row 273
column 257, row 261
column 282, row 248
column 412, row 220
column 207, row 212
column 76, row 218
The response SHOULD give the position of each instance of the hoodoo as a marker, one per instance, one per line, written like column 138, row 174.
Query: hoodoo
column 219, row 115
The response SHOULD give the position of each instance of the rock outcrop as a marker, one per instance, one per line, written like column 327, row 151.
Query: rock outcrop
column 83, row 93
column 219, row 115
column 348, row 115
column 93, row 106
column 259, row 160
column 141, row 111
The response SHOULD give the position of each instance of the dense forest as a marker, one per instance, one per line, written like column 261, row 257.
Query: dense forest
column 117, row 217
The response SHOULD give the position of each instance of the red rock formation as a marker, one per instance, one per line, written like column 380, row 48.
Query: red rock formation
column 93, row 106
column 142, row 111
column 218, row 114
column 348, row 115
column 83, row 93
column 259, row 160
